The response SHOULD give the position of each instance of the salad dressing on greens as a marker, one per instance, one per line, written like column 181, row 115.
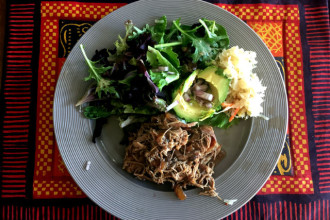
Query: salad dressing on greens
column 169, row 67
column 137, row 78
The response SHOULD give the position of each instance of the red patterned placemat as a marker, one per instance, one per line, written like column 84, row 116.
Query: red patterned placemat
column 50, row 178
column 297, row 35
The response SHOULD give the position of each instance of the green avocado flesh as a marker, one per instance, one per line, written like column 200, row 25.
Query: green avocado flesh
column 192, row 110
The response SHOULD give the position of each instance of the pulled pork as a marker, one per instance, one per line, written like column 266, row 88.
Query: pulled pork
column 167, row 150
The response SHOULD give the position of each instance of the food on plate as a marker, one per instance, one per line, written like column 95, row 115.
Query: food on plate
column 246, row 92
column 139, row 75
column 188, row 70
column 201, row 94
column 174, row 82
column 167, row 150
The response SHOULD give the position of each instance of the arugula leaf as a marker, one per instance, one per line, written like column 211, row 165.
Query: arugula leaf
column 209, row 28
column 158, row 31
column 203, row 49
column 190, row 29
column 171, row 44
column 172, row 32
column 216, row 34
column 156, row 59
column 95, row 73
column 137, row 31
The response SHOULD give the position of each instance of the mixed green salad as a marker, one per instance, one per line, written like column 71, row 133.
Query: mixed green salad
column 167, row 66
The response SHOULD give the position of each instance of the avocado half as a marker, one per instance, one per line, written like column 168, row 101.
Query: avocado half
column 191, row 111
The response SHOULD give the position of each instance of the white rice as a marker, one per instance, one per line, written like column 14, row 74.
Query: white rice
column 246, row 90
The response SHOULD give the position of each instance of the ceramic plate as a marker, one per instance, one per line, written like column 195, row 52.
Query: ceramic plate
column 253, row 146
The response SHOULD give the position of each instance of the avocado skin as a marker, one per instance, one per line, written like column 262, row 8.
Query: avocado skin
column 192, row 111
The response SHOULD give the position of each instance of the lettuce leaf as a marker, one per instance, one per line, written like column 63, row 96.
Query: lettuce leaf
column 171, row 56
column 161, row 78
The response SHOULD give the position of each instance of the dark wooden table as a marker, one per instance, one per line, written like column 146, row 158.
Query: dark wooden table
column 2, row 33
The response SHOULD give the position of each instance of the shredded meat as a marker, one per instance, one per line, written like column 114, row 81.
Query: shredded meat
column 167, row 150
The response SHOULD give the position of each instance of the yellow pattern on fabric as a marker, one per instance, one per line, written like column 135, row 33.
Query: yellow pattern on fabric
column 65, row 32
column 45, row 139
column 271, row 34
column 284, row 164
column 52, row 187
column 61, row 165
column 51, row 13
